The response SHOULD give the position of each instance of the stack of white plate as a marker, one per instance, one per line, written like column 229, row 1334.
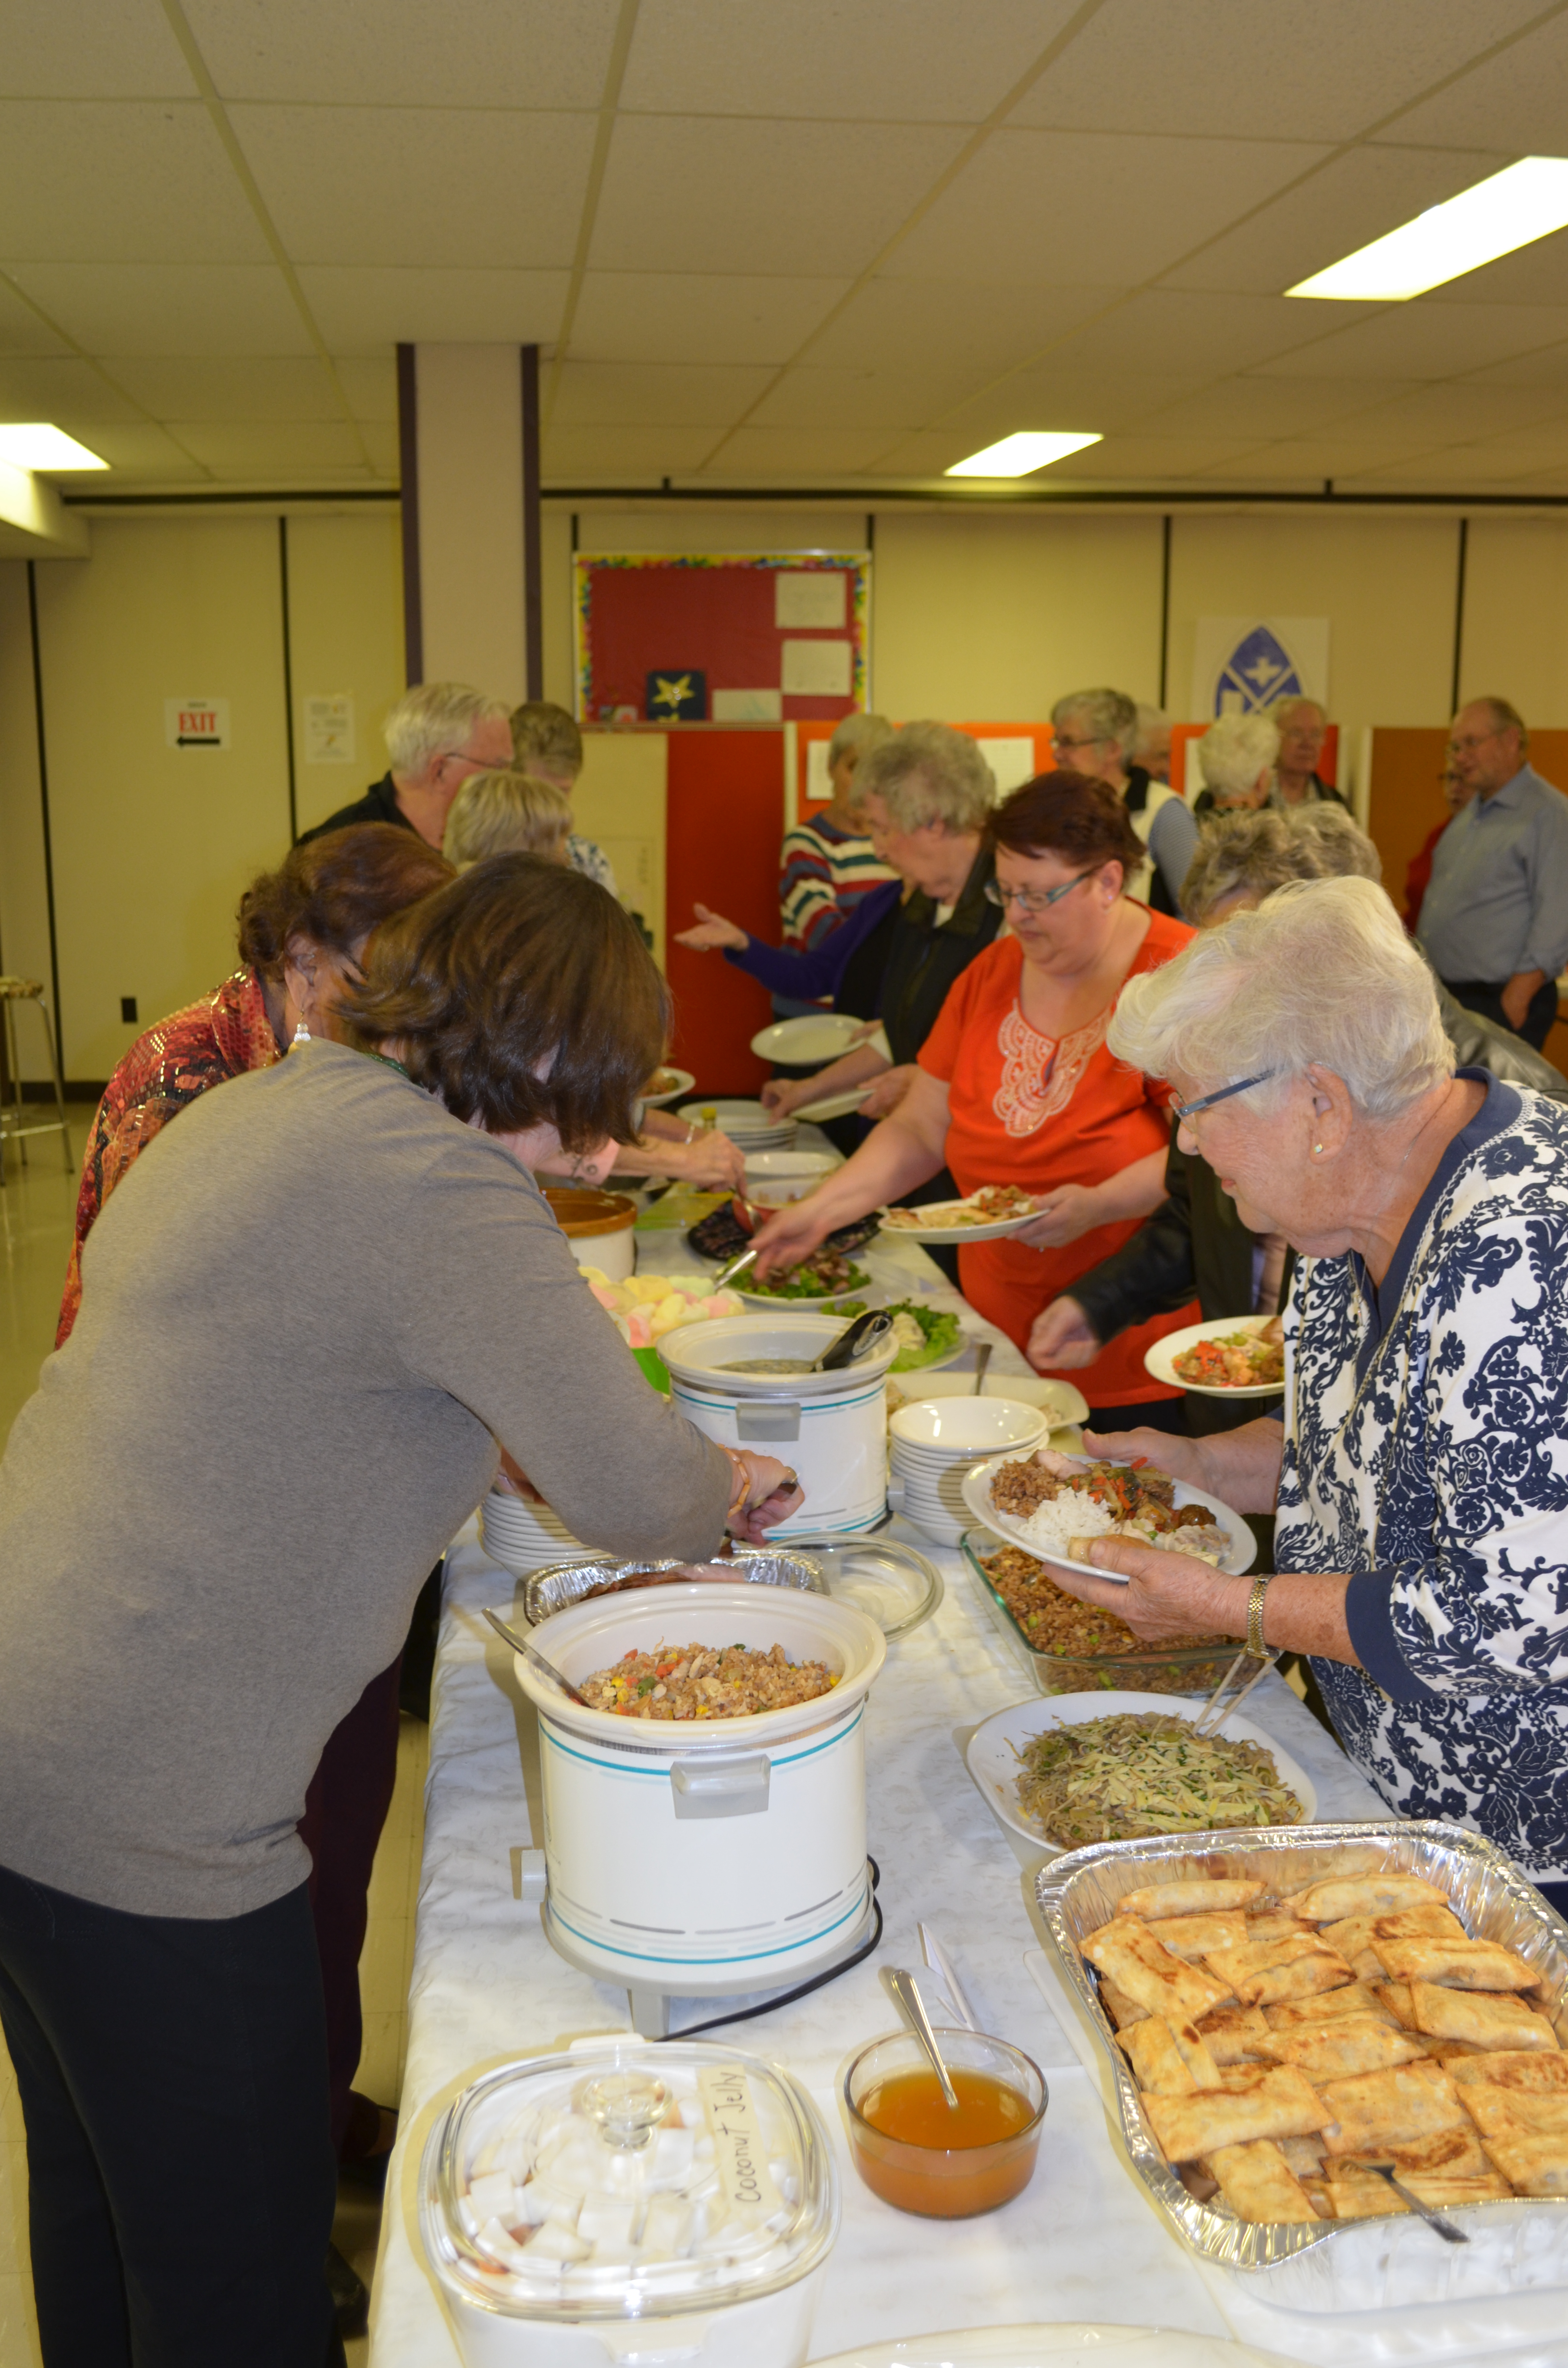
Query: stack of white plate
column 933, row 1442
column 750, row 1124
column 522, row 1536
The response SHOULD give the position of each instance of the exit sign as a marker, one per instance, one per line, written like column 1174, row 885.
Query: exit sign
column 196, row 723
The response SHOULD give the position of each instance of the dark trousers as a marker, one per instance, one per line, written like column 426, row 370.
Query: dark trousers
column 1155, row 1414
column 180, row 2179
column 1476, row 995
column 344, row 1811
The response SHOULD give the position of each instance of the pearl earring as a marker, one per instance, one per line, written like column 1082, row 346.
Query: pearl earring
column 301, row 1033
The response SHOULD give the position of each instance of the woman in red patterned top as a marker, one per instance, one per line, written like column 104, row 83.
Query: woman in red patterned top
column 1017, row 1086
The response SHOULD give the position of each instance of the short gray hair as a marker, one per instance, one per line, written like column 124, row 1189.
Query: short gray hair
column 1109, row 715
column 505, row 812
column 859, row 733
column 1281, row 708
column 543, row 733
column 928, row 773
column 1322, row 972
column 433, row 720
column 1252, row 854
column 1235, row 749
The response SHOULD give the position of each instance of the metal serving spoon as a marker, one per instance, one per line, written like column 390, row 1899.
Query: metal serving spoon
column 903, row 1989
column 1444, row 2227
column 537, row 1660
column 860, row 1335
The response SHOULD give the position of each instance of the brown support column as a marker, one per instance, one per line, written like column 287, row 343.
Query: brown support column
column 408, row 469
column 533, row 594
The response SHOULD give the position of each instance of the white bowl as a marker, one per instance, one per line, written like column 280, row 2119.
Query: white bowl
column 950, row 1427
column 1059, row 1401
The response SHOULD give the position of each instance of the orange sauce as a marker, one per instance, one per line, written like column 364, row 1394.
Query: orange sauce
column 920, row 2155
column 910, row 2106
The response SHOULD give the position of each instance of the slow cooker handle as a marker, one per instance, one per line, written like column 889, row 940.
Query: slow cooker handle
column 773, row 1418
column 734, row 1785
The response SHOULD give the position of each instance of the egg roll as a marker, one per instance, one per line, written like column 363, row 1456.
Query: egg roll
column 1188, row 1896
column 1258, row 2183
column 1129, row 1952
column 1482, row 2017
column 1393, row 2107
column 1280, row 2104
column 1459, row 1964
column 1339, row 2049
column 1365, row 1894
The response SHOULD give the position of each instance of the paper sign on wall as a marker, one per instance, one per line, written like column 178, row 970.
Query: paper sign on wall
column 1242, row 663
column 1011, row 760
column 815, row 670
column 329, row 729
column 809, row 600
column 748, row 706
column 196, row 723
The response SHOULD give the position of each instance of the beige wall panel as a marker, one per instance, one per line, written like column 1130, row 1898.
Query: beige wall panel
column 471, row 510
column 24, row 901
column 1516, row 616
column 557, row 594
column 1386, row 585
column 346, row 635
column 992, row 619
column 619, row 801
column 153, row 845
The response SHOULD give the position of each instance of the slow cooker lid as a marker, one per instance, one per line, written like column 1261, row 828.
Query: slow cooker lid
column 632, row 2181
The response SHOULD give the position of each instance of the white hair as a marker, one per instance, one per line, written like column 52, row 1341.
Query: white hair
column 1235, row 750
column 928, row 773
column 1110, row 715
column 434, row 718
column 1253, row 853
column 1281, row 708
column 859, row 733
column 1321, row 974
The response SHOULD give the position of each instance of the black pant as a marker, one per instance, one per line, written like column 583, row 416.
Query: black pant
column 1476, row 995
column 181, row 2182
column 1154, row 1414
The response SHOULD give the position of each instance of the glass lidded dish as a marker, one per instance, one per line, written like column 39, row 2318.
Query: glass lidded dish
column 1070, row 1647
column 899, row 2119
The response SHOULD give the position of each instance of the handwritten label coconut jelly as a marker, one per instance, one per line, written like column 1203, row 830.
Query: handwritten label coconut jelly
column 736, row 2132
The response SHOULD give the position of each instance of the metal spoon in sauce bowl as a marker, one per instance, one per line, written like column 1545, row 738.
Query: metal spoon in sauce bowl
column 537, row 1660
column 913, row 2008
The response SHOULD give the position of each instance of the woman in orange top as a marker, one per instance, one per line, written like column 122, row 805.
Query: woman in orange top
column 1016, row 1085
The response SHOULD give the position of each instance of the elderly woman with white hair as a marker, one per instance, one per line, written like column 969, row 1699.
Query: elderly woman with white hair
column 1097, row 733
column 1419, row 1476
column 1236, row 757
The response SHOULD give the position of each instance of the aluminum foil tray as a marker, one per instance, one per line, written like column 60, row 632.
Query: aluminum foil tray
column 890, row 1582
column 1383, row 2263
column 565, row 1583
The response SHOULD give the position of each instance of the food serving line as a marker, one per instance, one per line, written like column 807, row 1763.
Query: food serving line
column 1080, row 2244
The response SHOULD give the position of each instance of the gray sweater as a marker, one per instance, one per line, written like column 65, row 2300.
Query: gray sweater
column 308, row 1315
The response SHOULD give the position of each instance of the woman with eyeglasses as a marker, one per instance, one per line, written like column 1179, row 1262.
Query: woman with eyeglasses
column 1014, row 1084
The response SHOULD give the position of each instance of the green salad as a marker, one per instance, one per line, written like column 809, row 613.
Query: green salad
column 925, row 1335
column 803, row 1282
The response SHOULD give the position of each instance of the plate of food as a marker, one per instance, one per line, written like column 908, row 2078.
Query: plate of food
column 1052, row 1504
column 1230, row 1357
column 667, row 1085
column 927, row 1337
column 988, row 1216
column 1068, row 1768
column 820, row 1280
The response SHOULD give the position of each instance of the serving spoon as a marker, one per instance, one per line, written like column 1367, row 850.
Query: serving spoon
column 913, row 2007
column 537, row 1662
column 1444, row 2227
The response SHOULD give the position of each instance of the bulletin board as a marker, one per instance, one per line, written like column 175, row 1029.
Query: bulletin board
column 721, row 637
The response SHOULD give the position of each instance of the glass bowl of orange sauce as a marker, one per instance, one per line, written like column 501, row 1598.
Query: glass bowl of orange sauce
column 914, row 2150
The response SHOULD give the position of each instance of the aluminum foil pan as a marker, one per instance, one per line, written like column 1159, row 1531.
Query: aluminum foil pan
column 1383, row 2263
column 562, row 1584
column 891, row 1583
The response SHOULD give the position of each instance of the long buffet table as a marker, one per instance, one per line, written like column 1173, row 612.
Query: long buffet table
column 1080, row 2244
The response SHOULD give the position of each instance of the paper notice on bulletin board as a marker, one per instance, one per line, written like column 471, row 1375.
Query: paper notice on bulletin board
column 329, row 729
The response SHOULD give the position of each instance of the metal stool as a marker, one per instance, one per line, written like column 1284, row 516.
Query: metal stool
column 30, row 990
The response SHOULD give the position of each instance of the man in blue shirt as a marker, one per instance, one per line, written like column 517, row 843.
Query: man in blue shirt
column 1495, row 920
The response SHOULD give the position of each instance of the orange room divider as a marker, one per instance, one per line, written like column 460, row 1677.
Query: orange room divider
column 724, row 822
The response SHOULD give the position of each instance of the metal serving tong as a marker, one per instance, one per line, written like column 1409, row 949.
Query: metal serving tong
column 860, row 1336
column 1216, row 1710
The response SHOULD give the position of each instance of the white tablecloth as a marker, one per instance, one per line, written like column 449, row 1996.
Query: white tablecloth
column 1081, row 2243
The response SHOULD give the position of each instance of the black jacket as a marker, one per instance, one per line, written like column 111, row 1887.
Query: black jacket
column 378, row 805
column 925, row 957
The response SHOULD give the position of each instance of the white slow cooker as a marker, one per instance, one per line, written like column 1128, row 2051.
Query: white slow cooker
column 831, row 1428
column 631, row 2204
column 706, row 1858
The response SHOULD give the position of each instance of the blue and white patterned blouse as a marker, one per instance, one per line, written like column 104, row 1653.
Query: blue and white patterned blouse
column 1426, row 1454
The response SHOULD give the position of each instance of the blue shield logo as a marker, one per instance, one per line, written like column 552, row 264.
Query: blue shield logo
column 1259, row 670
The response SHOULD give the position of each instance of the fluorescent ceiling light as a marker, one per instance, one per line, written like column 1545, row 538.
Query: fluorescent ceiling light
column 1018, row 456
column 1525, row 201
column 34, row 444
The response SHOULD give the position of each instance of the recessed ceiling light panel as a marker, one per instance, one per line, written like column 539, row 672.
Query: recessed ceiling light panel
column 1525, row 201
column 34, row 444
column 1018, row 456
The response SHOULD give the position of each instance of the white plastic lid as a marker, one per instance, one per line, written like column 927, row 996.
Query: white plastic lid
column 643, row 2181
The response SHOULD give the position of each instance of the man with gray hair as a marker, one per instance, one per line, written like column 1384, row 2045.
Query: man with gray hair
column 1495, row 920
column 1095, row 733
column 436, row 734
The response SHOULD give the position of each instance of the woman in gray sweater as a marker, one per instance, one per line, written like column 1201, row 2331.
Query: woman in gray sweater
column 316, row 1311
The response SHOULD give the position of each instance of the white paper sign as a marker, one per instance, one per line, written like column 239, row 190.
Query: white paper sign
column 329, row 729
column 748, row 706
column 1012, row 761
column 1242, row 664
column 809, row 600
column 815, row 670
column 819, row 780
column 196, row 723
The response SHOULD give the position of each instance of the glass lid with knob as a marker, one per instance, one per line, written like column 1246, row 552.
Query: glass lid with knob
column 629, row 2181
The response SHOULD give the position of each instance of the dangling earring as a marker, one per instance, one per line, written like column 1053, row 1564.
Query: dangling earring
column 301, row 1034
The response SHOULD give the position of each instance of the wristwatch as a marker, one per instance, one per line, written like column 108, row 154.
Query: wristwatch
column 1256, row 1645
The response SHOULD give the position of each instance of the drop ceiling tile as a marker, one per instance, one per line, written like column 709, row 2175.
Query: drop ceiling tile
column 1090, row 209
column 143, row 182
column 21, row 329
column 168, row 308
column 1163, row 459
column 1145, row 64
column 534, row 54
column 653, row 394
column 51, row 389
column 380, row 439
column 1309, row 460
column 923, row 324
column 884, row 399
column 1097, row 401
column 692, row 193
column 1416, row 340
column 1189, row 332
column 861, row 60
column 669, row 316
column 926, row 455
column 431, row 186
column 770, row 452
column 1268, row 406
column 1347, row 203
column 367, row 311
column 141, row 454
column 371, row 389
column 1537, row 274
column 270, row 449
column 1522, row 93
column 1448, row 409
column 1547, row 366
column 258, row 388
column 608, row 454
column 82, row 49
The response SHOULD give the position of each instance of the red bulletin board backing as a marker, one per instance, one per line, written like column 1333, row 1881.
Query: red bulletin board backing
column 1186, row 776
column 724, row 822
column 639, row 613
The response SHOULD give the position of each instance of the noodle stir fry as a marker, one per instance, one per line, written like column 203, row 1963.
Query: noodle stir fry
column 1124, row 1778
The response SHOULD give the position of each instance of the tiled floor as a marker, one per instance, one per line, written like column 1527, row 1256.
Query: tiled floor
column 36, row 1208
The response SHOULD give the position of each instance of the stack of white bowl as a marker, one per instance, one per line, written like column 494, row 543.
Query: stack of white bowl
column 522, row 1536
column 933, row 1442
column 750, row 1124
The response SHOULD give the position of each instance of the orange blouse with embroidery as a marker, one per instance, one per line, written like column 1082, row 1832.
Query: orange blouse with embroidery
column 1032, row 1110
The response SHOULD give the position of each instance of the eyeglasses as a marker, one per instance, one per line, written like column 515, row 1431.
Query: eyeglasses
column 1064, row 740
column 1035, row 900
column 1185, row 1110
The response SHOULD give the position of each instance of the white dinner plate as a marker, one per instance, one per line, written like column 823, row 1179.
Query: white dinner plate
column 1059, row 1401
column 928, row 1226
column 977, row 1496
column 684, row 1082
column 813, row 1036
column 832, row 1105
column 1066, row 2344
column 991, row 1754
column 870, row 1294
column 1159, row 1360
